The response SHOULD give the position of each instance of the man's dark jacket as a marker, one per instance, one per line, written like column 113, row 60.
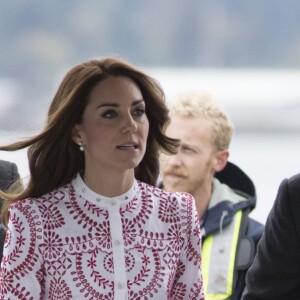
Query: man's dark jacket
column 275, row 273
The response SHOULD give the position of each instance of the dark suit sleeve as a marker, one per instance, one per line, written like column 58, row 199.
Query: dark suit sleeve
column 275, row 273
column 14, row 172
column 8, row 175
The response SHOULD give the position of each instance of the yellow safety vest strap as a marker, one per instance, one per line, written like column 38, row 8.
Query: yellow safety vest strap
column 218, row 260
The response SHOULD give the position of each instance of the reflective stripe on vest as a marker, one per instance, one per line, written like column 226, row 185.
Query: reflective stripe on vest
column 218, row 260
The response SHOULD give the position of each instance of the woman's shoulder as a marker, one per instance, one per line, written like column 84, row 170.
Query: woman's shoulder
column 52, row 196
column 171, row 207
column 163, row 195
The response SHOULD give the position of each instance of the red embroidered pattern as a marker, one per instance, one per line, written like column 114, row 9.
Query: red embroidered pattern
column 59, row 247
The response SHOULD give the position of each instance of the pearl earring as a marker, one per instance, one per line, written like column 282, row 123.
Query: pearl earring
column 80, row 146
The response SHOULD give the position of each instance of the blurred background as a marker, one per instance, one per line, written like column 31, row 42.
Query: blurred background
column 246, row 53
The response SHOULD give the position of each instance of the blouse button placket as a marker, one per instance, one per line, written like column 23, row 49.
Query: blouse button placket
column 120, row 277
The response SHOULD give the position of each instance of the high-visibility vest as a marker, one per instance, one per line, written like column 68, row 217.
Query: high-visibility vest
column 219, row 252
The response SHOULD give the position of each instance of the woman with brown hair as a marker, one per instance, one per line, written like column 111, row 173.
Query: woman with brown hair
column 90, row 224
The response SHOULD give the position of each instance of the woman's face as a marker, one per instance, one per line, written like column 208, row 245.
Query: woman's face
column 114, row 127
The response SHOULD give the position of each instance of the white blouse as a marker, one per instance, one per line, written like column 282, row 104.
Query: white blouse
column 75, row 244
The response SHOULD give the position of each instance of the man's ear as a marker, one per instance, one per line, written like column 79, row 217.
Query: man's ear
column 221, row 160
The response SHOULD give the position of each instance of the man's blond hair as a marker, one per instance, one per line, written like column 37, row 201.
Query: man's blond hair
column 201, row 105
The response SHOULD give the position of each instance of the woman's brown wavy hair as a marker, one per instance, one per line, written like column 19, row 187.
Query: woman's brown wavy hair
column 54, row 159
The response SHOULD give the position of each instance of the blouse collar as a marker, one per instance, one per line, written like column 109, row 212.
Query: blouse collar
column 84, row 191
